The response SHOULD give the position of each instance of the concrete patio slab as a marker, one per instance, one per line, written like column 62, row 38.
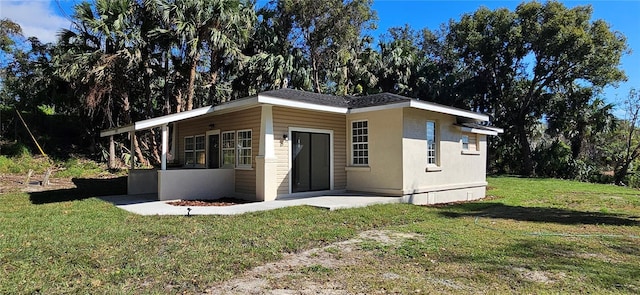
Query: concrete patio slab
column 149, row 205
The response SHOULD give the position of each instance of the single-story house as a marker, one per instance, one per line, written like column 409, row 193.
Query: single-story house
column 286, row 143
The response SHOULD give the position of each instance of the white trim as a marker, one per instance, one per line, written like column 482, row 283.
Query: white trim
column 436, row 143
column 117, row 130
column 266, row 145
column 427, row 106
column 478, row 131
column 165, row 143
column 222, row 149
column 331, row 157
column 159, row 121
column 469, row 152
column 351, row 148
column 397, row 105
column 423, row 105
column 238, row 149
column 301, row 105
column 206, row 139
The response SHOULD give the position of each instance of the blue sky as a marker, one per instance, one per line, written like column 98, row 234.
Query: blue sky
column 43, row 18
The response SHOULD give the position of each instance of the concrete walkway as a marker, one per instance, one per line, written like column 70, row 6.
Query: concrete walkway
column 149, row 205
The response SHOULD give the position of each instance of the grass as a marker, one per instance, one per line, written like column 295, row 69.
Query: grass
column 531, row 236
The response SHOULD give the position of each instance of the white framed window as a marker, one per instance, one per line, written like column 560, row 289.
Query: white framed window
column 189, row 152
column 360, row 143
column 194, row 150
column 432, row 153
column 244, row 149
column 465, row 142
column 228, row 149
column 469, row 143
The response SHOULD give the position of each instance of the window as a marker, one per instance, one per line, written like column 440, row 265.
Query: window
column 228, row 149
column 244, row 148
column 469, row 143
column 360, row 143
column 465, row 142
column 431, row 143
column 189, row 155
column 194, row 150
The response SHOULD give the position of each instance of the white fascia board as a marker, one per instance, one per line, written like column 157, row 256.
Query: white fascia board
column 117, row 130
column 381, row 107
column 448, row 110
column 478, row 131
column 159, row 121
column 496, row 129
column 300, row 105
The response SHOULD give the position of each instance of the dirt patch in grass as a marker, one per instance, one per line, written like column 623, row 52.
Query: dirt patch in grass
column 292, row 274
column 16, row 182
column 205, row 203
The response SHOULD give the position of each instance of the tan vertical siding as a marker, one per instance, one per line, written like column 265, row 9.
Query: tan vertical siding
column 240, row 120
column 284, row 118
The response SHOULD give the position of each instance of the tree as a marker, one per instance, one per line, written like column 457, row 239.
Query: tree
column 219, row 26
column 325, row 32
column 626, row 147
column 520, row 63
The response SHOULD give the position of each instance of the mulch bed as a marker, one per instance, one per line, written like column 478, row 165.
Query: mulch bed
column 217, row 202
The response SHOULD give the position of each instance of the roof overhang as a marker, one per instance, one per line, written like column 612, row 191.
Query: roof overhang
column 270, row 100
column 427, row 106
column 163, row 120
column 266, row 99
column 486, row 130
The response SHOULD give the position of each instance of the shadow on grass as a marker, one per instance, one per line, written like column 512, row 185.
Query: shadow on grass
column 85, row 188
column 548, row 261
column 535, row 214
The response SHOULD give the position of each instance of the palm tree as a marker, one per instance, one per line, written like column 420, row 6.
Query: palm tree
column 218, row 26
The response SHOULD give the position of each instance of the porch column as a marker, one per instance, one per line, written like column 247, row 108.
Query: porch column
column 165, row 143
column 266, row 164
column 132, row 136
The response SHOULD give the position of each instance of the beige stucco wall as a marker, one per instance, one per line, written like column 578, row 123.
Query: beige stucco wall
column 398, row 158
column 245, row 179
column 193, row 184
column 285, row 118
column 456, row 171
column 384, row 172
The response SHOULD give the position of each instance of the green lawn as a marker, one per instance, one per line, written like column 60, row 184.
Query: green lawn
column 530, row 236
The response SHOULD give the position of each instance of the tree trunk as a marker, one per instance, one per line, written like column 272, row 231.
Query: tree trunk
column 620, row 172
column 179, row 101
column 525, row 150
column 138, row 151
column 316, row 75
column 213, row 74
column 112, row 153
column 167, row 105
column 192, row 82
column 154, row 148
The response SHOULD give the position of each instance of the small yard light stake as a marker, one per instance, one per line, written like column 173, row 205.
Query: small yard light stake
column 188, row 211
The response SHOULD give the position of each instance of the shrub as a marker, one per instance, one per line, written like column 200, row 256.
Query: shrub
column 16, row 149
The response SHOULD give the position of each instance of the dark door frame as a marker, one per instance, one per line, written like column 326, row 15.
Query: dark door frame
column 331, row 155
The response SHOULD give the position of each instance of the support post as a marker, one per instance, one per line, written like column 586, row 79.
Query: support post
column 266, row 163
column 165, row 143
column 132, row 136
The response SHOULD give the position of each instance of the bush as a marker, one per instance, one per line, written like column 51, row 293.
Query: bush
column 555, row 161
column 79, row 168
column 16, row 149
